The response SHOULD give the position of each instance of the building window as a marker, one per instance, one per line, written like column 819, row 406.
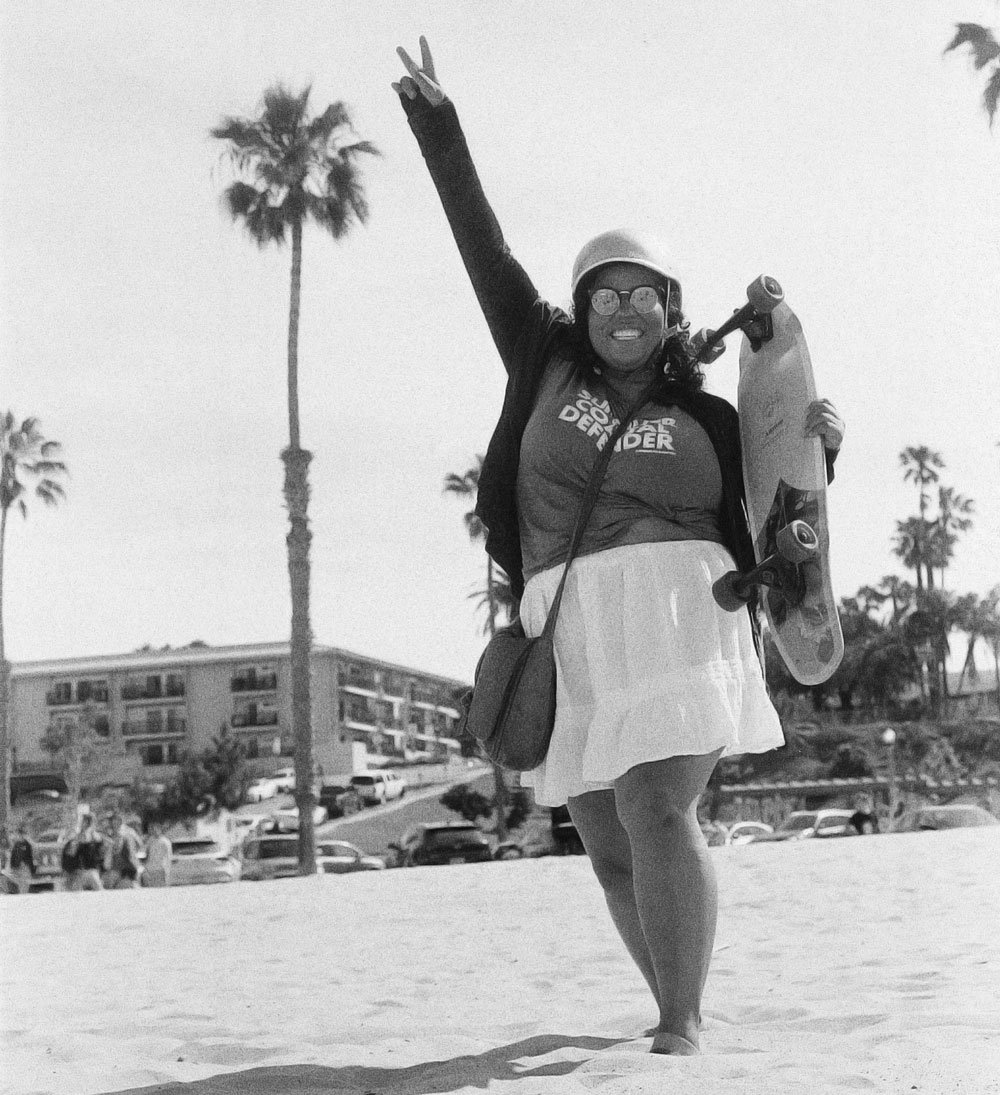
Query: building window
column 102, row 726
column 60, row 692
column 254, row 678
column 92, row 691
column 157, row 754
column 251, row 713
column 143, row 688
column 154, row 720
column 175, row 684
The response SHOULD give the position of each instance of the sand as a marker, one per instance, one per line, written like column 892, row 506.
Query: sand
column 867, row 964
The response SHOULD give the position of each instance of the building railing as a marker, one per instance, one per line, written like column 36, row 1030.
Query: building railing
column 141, row 728
column 84, row 694
column 241, row 720
column 265, row 682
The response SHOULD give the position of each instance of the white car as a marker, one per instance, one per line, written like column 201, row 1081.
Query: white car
column 287, row 821
column 267, row 857
column 377, row 787
column 743, row 832
column 200, row 862
column 284, row 779
column 805, row 824
column 260, row 789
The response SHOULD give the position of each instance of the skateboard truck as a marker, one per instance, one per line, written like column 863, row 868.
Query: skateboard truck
column 754, row 319
column 795, row 543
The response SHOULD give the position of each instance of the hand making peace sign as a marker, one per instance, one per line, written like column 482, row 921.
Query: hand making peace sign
column 421, row 80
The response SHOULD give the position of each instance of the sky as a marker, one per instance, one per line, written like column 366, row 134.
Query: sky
column 829, row 144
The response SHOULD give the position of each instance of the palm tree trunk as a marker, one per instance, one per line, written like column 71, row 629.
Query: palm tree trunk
column 5, row 720
column 500, row 796
column 996, row 671
column 296, row 491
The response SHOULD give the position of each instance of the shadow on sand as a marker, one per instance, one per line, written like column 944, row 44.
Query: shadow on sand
column 427, row 1078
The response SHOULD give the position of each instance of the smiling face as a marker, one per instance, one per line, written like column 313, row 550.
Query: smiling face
column 627, row 340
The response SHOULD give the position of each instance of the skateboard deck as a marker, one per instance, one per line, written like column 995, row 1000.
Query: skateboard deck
column 785, row 477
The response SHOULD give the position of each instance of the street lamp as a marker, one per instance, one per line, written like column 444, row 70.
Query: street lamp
column 889, row 741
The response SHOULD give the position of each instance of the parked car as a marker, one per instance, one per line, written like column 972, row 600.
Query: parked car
column 288, row 820
column 946, row 817
column 377, row 787
column 567, row 839
column 48, row 846
column 509, row 849
column 340, row 799
column 715, row 833
column 342, row 857
column 743, row 832
column 284, row 780
column 802, row 824
column 269, row 857
column 260, row 789
column 202, row 861
column 441, row 842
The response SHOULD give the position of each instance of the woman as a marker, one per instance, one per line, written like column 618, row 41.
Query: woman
column 655, row 683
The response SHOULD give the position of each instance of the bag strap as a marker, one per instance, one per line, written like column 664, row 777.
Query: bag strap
column 589, row 499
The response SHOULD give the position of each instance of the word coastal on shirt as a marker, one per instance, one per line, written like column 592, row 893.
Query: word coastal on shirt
column 594, row 416
column 663, row 481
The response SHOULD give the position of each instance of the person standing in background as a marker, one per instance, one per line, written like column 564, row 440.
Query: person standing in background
column 21, row 865
column 158, row 853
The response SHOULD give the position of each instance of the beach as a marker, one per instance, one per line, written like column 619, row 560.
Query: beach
column 847, row 965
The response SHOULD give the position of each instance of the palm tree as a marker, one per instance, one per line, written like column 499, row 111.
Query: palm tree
column 29, row 466
column 920, row 464
column 496, row 598
column 900, row 593
column 910, row 547
column 466, row 486
column 954, row 516
column 295, row 168
column 982, row 624
column 985, row 51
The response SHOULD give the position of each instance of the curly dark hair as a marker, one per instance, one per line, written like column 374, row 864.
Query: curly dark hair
column 675, row 361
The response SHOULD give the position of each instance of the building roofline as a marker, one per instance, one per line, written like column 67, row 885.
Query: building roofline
column 199, row 655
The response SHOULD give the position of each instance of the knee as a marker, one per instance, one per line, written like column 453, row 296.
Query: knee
column 614, row 872
column 646, row 817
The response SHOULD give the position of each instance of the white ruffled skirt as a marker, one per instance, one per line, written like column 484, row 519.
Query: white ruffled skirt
column 648, row 666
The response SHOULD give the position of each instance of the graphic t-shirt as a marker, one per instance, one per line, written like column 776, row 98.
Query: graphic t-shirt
column 663, row 482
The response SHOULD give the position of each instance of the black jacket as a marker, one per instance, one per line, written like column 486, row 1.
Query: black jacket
column 519, row 320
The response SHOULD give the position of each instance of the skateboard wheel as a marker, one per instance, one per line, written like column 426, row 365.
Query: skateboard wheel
column 765, row 294
column 724, row 592
column 702, row 351
column 797, row 542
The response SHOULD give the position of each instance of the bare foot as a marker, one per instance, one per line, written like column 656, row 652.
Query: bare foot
column 673, row 1045
column 651, row 1032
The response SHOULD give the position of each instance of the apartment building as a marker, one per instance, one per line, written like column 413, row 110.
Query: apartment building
column 150, row 706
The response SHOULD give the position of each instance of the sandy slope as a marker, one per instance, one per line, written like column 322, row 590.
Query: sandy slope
column 870, row 964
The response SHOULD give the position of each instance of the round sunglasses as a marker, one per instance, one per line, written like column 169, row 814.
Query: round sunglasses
column 644, row 298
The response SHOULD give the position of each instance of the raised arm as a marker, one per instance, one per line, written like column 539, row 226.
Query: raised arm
column 505, row 292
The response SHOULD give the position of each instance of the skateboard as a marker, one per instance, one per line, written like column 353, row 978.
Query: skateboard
column 785, row 478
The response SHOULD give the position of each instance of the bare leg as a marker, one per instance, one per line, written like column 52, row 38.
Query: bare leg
column 675, row 887
column 604, row 838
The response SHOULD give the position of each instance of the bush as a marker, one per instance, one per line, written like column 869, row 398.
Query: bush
column 468, row 804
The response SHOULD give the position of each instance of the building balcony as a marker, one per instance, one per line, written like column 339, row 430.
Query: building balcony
column 143, row 729
column 266, row 682
column 244, row 720
column 83, row 695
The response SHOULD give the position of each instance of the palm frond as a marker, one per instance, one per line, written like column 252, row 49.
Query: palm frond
column 324, row 125
column 991, row 96
column 284, row 110
column 981, row 41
